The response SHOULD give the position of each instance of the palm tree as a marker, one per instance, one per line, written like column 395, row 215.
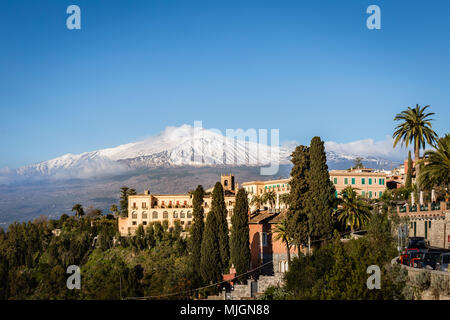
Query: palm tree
column 352, row 211
column 78, row 209
column 256, row 201
column 415, row 128
column 114, row 210
column 269, row 197
column 436, row 169
column 284, row 199
column 281, row 233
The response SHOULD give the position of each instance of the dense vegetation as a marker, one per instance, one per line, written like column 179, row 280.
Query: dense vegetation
column 337, row 270
column 33, row 260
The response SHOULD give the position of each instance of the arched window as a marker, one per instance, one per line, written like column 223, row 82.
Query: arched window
column 165, row 215
column 225, row 183
column 144, row 215
column 189, row 215
column 182, row 214
column 155, row 215
column 175, row 214
column 134, row 215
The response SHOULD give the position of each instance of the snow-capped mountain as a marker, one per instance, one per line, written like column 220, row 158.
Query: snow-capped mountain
column 174, row 147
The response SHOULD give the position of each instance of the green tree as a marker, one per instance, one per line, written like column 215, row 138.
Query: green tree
column 284, row 198
column 240, row 243
column 415, row 128
column 78, row 209
column 297, row 215
column 256, row 201
column 124, row 193
column 408, row 182
column 352, row 211
column 197, row 229
column 269, row 197
column 357, row 164
column 114, row 210
column 281, row 234
column 436, row 165
column 321, row 198
column 219, row 209
column 210, row 262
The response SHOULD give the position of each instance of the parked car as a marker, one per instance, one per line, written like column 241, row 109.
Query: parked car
column 405, row 258
column 415, row 258
column 429, row 259
column 442, row 262
column 417, row 242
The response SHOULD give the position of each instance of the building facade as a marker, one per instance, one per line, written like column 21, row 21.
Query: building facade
column 367, row 182
column 146, row 208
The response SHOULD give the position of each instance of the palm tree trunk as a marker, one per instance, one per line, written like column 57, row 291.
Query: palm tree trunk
column 288, row 252
column 417, row 159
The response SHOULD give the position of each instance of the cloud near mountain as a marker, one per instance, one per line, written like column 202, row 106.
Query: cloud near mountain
column 369, row 148
column 183, row 146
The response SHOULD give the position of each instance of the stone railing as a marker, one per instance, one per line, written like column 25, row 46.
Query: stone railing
column 430, row 208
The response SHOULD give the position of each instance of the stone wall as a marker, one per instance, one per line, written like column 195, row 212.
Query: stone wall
column 434, row 276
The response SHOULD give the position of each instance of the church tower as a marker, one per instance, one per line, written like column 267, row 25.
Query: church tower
column 228, row 183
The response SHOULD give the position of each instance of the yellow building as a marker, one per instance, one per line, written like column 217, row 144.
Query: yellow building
column 146, row 208
column 367, row 182
column 258, row 188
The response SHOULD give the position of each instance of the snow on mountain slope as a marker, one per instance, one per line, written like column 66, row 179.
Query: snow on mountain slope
column 176, row 146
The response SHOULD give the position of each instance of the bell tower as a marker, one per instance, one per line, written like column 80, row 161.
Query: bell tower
column 227, row 181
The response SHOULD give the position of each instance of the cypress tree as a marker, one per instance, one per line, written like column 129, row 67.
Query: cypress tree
column 240, row 243
column 408, row 182
column 210, row 262
column 219, row 209
column 321, row 197
column 297, row 217
column 197, row 228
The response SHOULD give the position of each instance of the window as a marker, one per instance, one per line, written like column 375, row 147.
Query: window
column 353, row 180
column 381, row 193
column 189, row 215
column 336, row 194
column 415, row 228
column 370, row 180
column 335, row 180
column 363, row 180
column 134, row 223
column 144, row 205
column 363, row 193
column 144, row 215
column 182, row 214
column 175, row 214
column 144, row 223
column 134, row 215
column 165, row 215
column 429, row 224
column 370, row 194
column 264, row 239
column 155, row 215
column 426, row 230
column 345, row 181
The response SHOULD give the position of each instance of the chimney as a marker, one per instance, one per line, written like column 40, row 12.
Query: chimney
column 146, row 192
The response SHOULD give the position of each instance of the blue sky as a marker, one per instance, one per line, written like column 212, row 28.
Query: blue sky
column 306, row 67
